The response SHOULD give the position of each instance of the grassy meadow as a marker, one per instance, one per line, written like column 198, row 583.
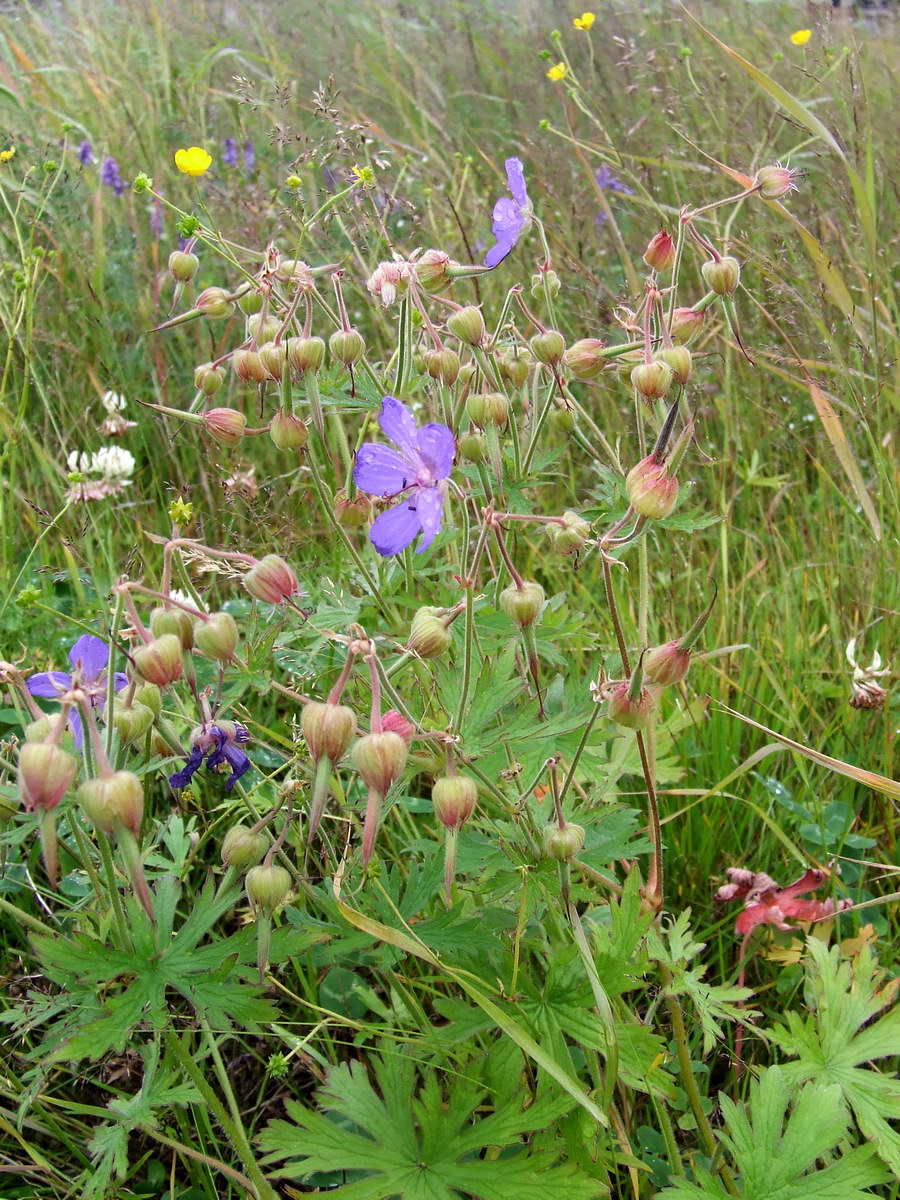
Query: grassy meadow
column 383, row 860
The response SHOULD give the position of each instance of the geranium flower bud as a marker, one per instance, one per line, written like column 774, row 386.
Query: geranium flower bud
column 679, row 359
column 45, row 774
column 249, row 366
column 522, row 604
column 380, row 759
column 473, row 447
column 214, row 302
column 389, row 281
column 288, row 432
column 488, row 408
column 454, row 798
column 667, row 664
column 562, row 419
column 633, row 712
column 267, row 887
column 183, row 266
column 217, row 637
column 305, row 354
column 347, row 345
column 150, row 696
column 584, row 359
column 467, row 324
column 132, row 722
column 272, row 355
column 653, row 492
column 208, row 379
column 548, row 347
column 515, row 366
column 429, row 636
column 722, row 275
column 395, row 722
column 571, row 537
column 562, row 844
column 250, row 303
column 442, row 365
column 173, row 620
column 242, row 848
column 224, row 425
column 352, row 514
column 652, row 380
column 687, row 323
column 660, row 252
column 432, row 270
column 775, row 182
column 271, row 580
column 117, row 800
column 159, row 661
column 329, row 729
column 546, row 281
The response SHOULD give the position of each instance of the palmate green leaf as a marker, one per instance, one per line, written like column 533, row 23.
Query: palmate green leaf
column 414, row 1138
column 832, row 1047
column 775, row 1157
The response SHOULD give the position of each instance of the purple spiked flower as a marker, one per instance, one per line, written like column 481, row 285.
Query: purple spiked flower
column 89, row 656
column 510, row 216
column 111, row 176
column 230, row 152
column 415, row 472
column 217, row 744
column 85, row 153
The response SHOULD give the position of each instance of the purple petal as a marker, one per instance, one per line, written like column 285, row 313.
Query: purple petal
column 515, row 177
column 507, row 221
column 93, row 653
column 396, row 528
column 238, row 761
column 397, row 423
column 49, row 685
column 381, row 471
column 429, row 507
column 497, row 253
column 77, row 728
column 438, row 449
column 183, row 777
column 120, row 681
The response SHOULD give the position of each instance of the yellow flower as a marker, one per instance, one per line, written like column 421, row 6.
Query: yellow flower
column 193, row 162
column 6, row 155
column 364, row 175
column 801, row 36
column 181, row 512
column 558, row 72
column 585, row 21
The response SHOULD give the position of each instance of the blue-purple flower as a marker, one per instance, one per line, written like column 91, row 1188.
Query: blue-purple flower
column 217, row 744
column 230, row 152
column 249, row 156
column 85, row 153
column 609, row 183
column 415, row 472
column 90, row 658
column 510, row 216
column 111, row 176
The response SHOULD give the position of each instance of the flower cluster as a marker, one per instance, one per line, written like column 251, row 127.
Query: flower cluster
column 107, row 472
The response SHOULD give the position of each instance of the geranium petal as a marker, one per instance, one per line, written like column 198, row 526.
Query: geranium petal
column 77, row 728
column 506, row 220
column 396, row 528
column 429, row 506
column 120, row 680
column 381, row 471
column 398, row 424
column 49, row 685
column 515, row 177
column 93, row 653
column 183, row 777
column 438, row 448
column 497, row 253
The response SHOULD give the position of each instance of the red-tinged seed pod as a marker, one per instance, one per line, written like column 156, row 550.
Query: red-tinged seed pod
column 667, row 664
column 305, row 354
column 454, row 798
column 473, row 447
column 249, row 366
column 271, row 580
column 159, row 661
column 267, row 888
column 217, row 637
column 272, row 355
column 722, row 275
column 45, row 774
column 515, row 366
column 261, row 331
column 442, row 365
column 208, row 379
column 432, row 270
column 117, row 800
column 687, row 323
column 380, row 759
column 775, row 182
column 562, row 844
column 522, row 604
column 224, row 425
column 288, row 432
column 173, row 620
column 571, row 537
column 429, row 636
column 679, row 358
column 488, row 408
column 652, row 380
column 242, row 848
column 652, row 491
column 467, row 324
column 347, row 345
column 395, row 722
column 329, row 729
column 631, row 713
column 548, row 347
column 132, row 722
column 183, row 266
column 352, row 514
column 250, row 303
column 214, row 302
column 660, row 252
column 584, row 358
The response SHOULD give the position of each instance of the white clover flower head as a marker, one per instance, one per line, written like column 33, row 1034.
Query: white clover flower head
column 865, row 690
column 114, row 464
column 113, row 402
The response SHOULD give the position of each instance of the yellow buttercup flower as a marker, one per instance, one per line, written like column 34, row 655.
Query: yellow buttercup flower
column 801, row 36
column 194, row 161
column 6, row 155
column 558, row 72
column 364, row 175
column 585, row 21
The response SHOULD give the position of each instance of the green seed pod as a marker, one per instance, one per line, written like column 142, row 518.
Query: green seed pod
column 271, row 580
column 584, row 359
column 347, row 345
column 488, row 408
column 653, row 492
column 562, row 844
column 159, row 661
column 272, row 355
column 442, row 365
column 652, row 380
column 722, row 276
column 305, row 354
column 132, row 722
column 39, row 730
column 249, row 366
column 473, row 447
column 679, row 359
column 250, row 303
column 216, row 637
column 523, row 605
column 117, row 800
column 380, row 759
column 183, row 266
column 515, row 366
column 454, row 798
column 429, row 636
column 45, row 774
column 288, row 432
column 214, row 302
column 267, row 888
column 548, row 347
column 329, row 729
column 224, row 425
column 150, row 696
column 173, row 620
column 208, row 379
column 260, row 331
column 571, row 537
column 467, row 324
column 242, row 848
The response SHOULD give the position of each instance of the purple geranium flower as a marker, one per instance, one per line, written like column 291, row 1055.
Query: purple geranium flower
column 416, row 470
column 217, row 744
column 89, row 656
column 609, row 183
column 230, row 152
column 510, row 216
column 249, row 156
column 111, row 176
column 85, row 153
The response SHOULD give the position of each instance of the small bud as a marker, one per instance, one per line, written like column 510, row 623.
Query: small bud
column 631, row 713
column 271, row 580
column 429, row 636
column 173, row 620
column 687, row 323
column 224, row 425
column 571, row 537
column 432, row 270
column 545, row 281
column 652, row 380
column 562, row 844
column 45, row 774
column 352, row 514
column 329, row 729
column 272, row 355
column 267, row 888
column 395, row 722
column 216, row 637
column 208, row 379
column 679, row 359
column 183, row 266
column 667, row 664
column 584, row 359
column 288, row 432
column 249, row 366
column 722, row 275
column 454, row 798
column 775, row 182
column 548, row 347
column 653, row 492
column 442, row 365
column 159, row 661
column 242, row 848
column 133, row 722
column 467, row 324
column 660, row 252
column 473, row 447
column 117, row 800
column 522, row 604
column 347, row 346
column 214, row 302
column 488, row 408
column 380, row 759
column 305, row 354
column 250, row 303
